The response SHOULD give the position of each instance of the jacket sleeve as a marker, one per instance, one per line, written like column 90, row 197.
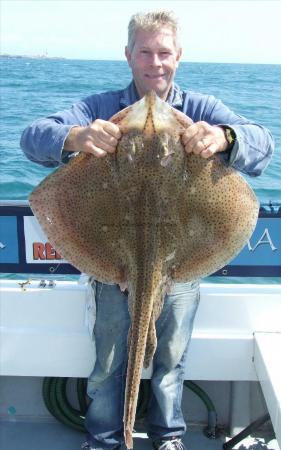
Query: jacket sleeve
column 42, row 141
column 254, row 145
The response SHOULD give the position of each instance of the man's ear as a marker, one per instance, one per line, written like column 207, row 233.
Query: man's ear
column 128, row 55
column 178, row 56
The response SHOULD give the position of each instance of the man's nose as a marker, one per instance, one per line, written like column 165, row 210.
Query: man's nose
column 155, row 60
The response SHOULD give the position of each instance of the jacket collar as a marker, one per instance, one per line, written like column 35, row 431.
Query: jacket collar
column 130, row 95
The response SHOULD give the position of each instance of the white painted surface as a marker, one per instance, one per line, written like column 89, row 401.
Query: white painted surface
column 43, row 330
column 267, row 359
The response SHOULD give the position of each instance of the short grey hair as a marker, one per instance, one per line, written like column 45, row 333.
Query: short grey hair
column 152, row 21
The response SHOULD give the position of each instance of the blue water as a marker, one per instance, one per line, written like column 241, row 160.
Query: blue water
column 33, row 88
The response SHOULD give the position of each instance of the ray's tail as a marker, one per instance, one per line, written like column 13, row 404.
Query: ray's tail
column 146, row 277
column 147, row 293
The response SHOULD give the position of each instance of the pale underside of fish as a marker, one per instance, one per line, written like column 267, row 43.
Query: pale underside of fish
column 145, row 217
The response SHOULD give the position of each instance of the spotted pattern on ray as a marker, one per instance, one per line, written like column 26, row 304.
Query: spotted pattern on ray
column 145, row 217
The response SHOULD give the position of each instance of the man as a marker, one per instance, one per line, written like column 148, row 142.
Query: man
column 153, row 54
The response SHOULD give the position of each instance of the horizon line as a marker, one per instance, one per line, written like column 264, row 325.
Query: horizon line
column 45, row 56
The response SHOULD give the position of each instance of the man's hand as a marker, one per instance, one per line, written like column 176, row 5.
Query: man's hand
column 99, row 138
column 204, row 139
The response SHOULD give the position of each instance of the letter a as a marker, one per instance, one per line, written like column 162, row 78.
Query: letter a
column 264, row 239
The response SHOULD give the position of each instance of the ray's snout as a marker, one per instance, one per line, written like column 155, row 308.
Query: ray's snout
column 150, row 99
column 149, row 115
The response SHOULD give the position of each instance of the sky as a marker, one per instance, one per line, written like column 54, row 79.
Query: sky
column 238, row 31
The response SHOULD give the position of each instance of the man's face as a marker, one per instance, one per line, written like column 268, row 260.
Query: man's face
column 154, row 60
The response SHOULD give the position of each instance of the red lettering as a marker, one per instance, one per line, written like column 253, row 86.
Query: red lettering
column 57, row 255
column 50, row 251
column 45, row 251
column 38, row 250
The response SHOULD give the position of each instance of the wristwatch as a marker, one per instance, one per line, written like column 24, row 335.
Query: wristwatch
column 230, row 136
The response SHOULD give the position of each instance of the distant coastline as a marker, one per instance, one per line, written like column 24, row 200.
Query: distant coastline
column 44, row 56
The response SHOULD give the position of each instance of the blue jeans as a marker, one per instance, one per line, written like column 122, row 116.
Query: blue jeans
column 106, row 384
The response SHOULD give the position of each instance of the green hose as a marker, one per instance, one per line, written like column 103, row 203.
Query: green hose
column 202, row 394
column 72, row 414
column 211, row 429
column 54, row 395
column 55, row 399
column 81, row 388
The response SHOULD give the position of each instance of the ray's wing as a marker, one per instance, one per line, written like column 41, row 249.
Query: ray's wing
column 77, row 209
column 217, row 211
column 218, row 216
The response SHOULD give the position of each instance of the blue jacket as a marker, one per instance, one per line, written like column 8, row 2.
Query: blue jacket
column 43, row 140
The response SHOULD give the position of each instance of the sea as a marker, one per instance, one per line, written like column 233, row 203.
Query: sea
column 36, row 87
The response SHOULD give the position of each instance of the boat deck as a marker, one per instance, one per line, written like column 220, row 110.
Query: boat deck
column 55, row 436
